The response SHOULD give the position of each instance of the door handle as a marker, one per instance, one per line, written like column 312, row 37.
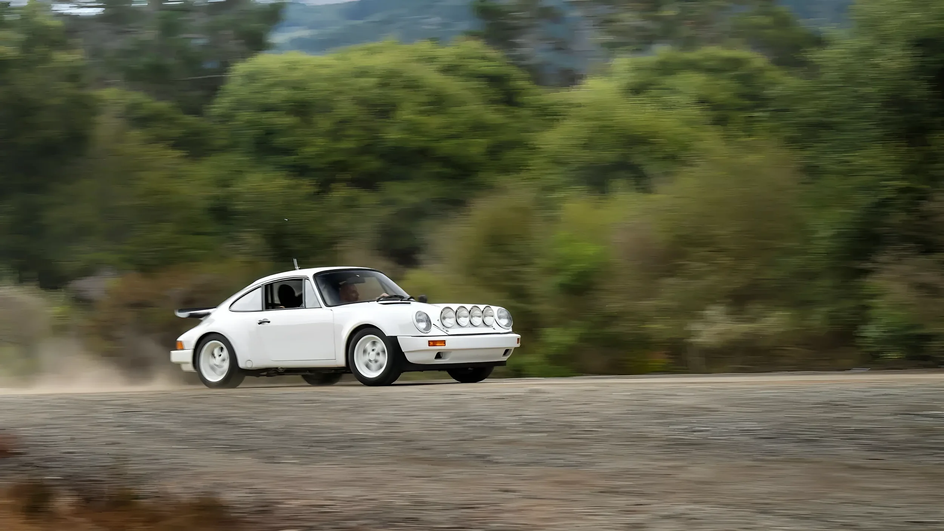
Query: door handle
column 263, row 321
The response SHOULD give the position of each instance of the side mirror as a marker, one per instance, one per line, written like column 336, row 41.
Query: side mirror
column 422, row 298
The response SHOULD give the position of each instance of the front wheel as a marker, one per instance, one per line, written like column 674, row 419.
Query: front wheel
column 470, row 374
column 322, row 378
column 215, row 363
column 373, row 358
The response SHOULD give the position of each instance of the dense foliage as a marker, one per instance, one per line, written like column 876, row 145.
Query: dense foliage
column 177, row 51
column 559, row 41
column 771, row 200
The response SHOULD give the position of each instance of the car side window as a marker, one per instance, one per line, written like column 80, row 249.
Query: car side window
column 250, row 302
column 284, row 294
column 311, row 300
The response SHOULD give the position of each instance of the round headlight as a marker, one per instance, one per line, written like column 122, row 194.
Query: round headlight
column 462, row 316
column 475, row 316
column 448, row 317
column 504, row 318
column 422, row 322
column 488, row 316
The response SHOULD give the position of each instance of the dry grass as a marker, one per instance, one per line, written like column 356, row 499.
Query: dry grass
column 34, row 505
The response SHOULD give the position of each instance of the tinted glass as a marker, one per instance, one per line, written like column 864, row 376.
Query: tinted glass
column 357, row 285
column 285, row 294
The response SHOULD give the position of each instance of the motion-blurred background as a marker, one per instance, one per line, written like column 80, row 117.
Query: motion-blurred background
column 711, row 185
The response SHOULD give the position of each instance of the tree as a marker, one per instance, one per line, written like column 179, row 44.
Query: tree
column 737, row 89
column 174, row 51
column 711, row 270
column 133, row 205
column 46, row 116
column 540, row 36
column 163, row 122
column 637, row 25
column 869, row 135
column 904, row 293
column 776, row 32
column 426, row 126
column 607, row 139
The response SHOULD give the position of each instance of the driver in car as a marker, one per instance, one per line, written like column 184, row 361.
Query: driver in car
column 348, row 292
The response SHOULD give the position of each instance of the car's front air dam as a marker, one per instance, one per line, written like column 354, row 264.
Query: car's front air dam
column 449, row 350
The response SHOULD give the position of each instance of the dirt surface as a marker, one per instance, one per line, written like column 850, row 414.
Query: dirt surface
column 807, row 452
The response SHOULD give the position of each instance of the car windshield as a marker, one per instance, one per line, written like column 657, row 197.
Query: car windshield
column 355, row 285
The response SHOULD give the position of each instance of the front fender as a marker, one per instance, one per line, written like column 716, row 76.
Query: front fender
column 349, row 328
column 392, row 320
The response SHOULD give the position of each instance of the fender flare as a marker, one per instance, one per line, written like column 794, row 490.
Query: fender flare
column 193, row 358
column 354, row 329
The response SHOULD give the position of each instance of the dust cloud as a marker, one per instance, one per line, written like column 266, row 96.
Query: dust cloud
column 66, row 367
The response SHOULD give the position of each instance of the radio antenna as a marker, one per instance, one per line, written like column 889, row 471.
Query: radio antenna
column 294, row 261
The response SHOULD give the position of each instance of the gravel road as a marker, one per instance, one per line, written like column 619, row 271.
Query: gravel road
column 845, row 451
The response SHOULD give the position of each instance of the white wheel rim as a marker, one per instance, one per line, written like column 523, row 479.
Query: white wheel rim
column 370, row 356
column 214, row 361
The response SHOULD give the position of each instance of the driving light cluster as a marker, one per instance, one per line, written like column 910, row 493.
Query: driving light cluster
column 475, row 317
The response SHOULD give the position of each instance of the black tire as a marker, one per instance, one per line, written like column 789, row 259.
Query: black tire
column 392, row 368
column 322, row 378
column 233, row 375
column 470, row 374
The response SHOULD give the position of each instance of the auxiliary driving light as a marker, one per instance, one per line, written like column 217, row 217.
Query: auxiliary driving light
column 488, row 316
column 462, row 316
column 448, row 317
column 475, row 316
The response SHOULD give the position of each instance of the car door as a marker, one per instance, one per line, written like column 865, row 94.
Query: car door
column 295, row 327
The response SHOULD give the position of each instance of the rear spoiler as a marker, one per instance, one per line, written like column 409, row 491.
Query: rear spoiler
column 193, row 313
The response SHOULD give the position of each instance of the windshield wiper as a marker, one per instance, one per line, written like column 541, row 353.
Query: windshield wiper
column 394, row 296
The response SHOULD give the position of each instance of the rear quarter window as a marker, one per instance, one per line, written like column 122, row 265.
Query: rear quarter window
column 250, row 302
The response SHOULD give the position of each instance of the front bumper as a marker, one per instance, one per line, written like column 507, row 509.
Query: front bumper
column 184, row 358
column 484, row 348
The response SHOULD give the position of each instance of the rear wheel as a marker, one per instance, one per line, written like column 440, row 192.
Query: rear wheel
column 470, row 374
column 215, row 363
column 322, row 378
column 373, row 358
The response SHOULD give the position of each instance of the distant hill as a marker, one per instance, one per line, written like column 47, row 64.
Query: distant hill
column 820, row 12
column 317, row 29
column 324, row 2
column 317, row 26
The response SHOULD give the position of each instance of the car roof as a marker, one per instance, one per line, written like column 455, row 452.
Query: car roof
column 306, row 272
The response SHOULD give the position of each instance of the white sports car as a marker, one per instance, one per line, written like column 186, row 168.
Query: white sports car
column 321, row 323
